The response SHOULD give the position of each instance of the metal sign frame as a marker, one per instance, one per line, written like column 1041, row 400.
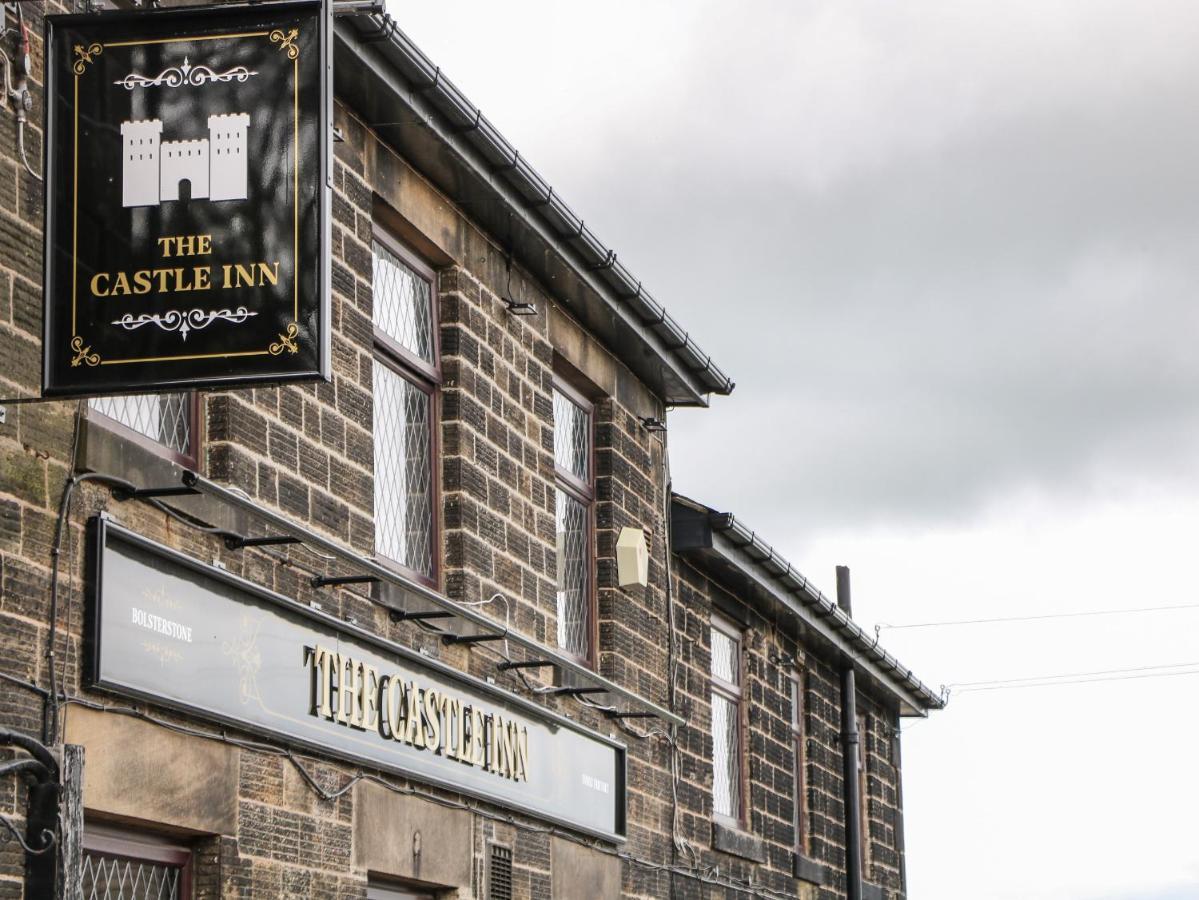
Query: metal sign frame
column 201, row 310
column 103, row 531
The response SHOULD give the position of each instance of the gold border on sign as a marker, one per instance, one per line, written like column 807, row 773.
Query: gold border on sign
column 79, row 67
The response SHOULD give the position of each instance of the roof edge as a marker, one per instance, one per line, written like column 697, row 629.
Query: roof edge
column 789, row 585
column 496, row 163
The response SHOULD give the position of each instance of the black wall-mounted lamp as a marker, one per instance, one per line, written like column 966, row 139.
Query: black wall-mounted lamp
column 652, row 423
column 515, row 307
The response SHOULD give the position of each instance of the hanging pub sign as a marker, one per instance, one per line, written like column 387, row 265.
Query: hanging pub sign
column 187, row 197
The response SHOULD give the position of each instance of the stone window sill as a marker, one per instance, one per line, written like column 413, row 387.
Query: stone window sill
column 729, row 839
column 807, row 869
column 109, row 450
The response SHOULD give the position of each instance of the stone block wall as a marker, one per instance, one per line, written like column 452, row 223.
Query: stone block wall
column 290, row 824
column 769, row 657
column 35, row 445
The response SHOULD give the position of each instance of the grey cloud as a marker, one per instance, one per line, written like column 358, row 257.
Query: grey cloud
column 1015, row 310
column 947, row 250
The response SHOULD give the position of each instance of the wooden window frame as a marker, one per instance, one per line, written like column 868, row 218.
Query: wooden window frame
column 186, row 460
column 799, row 708
column 426, row 377
column 734, row 693
column 584, row 493
column 139, row 847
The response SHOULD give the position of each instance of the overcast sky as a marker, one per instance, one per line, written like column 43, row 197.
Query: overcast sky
column 949, row 252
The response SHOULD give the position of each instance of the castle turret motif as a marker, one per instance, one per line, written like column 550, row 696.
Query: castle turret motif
column 227, row 159
column 139, row 184
column 215, row 167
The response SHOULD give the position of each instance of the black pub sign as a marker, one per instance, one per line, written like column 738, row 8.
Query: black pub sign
column 187, row 196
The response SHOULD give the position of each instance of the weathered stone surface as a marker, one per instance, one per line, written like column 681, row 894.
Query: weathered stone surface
column 138, row 770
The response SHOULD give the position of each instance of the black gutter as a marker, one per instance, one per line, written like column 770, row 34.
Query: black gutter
column 791, row 581
column 514, row 188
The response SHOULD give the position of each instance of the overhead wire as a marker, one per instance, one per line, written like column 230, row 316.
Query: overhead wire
column 1103, row 675
column 1015, row 687
column 1184, row 665
column 1037, row 617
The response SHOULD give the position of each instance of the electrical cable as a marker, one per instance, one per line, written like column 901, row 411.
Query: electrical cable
column 27, row 685
column 1036, row 618
column 50, row 707
column 24, row 100
column 1074, row 678
column 999, row 681
column 1016, row 687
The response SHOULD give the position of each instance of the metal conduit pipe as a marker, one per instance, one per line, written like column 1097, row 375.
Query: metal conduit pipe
column 849, row 758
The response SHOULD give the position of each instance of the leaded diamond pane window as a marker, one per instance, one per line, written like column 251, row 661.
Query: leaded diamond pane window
column 403, row 471
column 574, row 574
column 726, row 720
column 406, row 376
column 165, row 419
column 726, row 778
column 116, row 878
column 573, row 508
column 572, row 437
column 403, row 303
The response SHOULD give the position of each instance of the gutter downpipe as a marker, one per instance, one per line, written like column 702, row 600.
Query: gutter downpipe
column 849, row 753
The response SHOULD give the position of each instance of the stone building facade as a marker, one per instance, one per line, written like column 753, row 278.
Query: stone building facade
column 494, row 458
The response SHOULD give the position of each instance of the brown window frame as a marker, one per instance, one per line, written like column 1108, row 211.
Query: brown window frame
column 734, row 693
column 186, row 460
column 583, row 492
column 140, row 847
column 426, row 377
column 799, row 708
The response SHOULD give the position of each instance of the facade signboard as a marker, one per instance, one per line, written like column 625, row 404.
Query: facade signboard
column 170, row 629
column 187, row 198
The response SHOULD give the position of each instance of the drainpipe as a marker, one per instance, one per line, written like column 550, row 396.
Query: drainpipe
column 849, row 751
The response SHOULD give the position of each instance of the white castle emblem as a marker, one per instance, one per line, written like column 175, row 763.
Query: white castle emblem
column 215, row 166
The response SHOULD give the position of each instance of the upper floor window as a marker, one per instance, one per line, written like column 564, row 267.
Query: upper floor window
column 726, row 721
column 165, row 423
column 798, row 687
column 406, row 376
column 573, row 514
